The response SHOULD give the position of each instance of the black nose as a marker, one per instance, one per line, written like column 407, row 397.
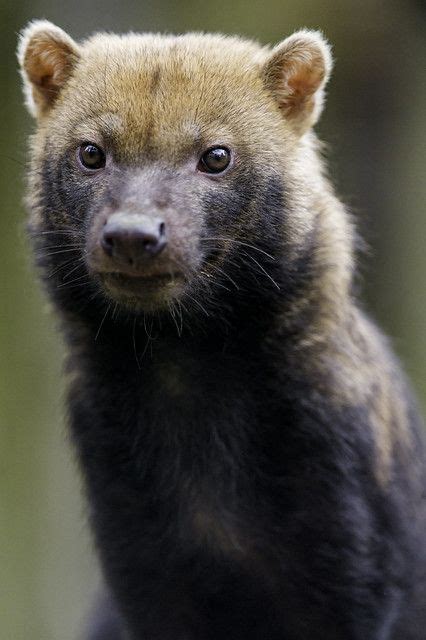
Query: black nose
column 130, row 238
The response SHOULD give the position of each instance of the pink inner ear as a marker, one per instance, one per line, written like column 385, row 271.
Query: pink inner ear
column 300, row 86
column 47, row 67
column 306, row 81
column 45, row 81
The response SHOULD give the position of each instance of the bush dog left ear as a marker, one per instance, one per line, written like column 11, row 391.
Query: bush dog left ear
column 296, row 73
column 47, row 56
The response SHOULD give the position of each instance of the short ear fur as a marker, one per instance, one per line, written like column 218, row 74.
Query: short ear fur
column 296, row 73
column 47, row 56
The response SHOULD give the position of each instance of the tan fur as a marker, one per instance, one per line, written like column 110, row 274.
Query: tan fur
column 155, row 96
column 364, row 377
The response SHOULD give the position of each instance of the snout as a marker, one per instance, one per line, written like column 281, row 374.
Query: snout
column 125, row 251
column 132, row 240
column 142, row 255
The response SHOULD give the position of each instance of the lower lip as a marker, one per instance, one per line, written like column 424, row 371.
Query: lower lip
column 136, row 282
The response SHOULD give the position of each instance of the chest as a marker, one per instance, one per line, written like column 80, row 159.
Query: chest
column 192, row 453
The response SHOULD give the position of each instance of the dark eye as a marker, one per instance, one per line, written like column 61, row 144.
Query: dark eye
column 215, row 160
column 91, row 156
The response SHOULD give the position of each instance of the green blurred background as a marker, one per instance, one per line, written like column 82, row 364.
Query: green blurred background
column 375, row 129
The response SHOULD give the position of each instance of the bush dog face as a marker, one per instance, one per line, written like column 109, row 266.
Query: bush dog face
column 166, row 155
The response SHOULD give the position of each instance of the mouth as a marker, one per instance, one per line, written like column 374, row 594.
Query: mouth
column 148, row 286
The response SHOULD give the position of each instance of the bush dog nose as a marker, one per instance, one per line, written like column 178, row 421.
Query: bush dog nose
column 129, row 237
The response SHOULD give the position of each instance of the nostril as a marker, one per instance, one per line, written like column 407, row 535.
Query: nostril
column 162, row 229
column 107, row 242
column 149, row 242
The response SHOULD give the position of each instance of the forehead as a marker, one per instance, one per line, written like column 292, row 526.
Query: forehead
column 170, row 90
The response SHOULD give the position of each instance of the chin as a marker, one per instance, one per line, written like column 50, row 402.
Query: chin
column 142, row 293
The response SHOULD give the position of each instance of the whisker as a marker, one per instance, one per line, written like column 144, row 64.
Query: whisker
column 180, row 313
column 172, row 311
column 134, row 344
column 69, row 231
column 147, row 343
column 12, row 159
column 264, row 271
column 214, row 281
column 69, row 215
column 195, row 301
column 185, row 309
column 55, row 253
column 148, row 333
column 64, row 246
column 65, row 284
column 73, row 286
column 214, row 266
column 61, row 266
column 240, row 242
column 102, row 321
column 79, row 261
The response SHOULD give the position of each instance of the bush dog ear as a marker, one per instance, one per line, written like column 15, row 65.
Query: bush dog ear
column 296, row 73
column 47, row 56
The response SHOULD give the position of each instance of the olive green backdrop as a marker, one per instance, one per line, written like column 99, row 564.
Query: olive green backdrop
column 375, row 129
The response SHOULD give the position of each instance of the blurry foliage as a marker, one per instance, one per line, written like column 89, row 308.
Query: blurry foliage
column 375, row 128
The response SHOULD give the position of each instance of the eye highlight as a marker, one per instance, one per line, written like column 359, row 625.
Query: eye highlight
column 91, row 156
column 215, row 160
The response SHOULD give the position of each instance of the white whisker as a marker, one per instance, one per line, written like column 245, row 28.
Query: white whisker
column 102, row 322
